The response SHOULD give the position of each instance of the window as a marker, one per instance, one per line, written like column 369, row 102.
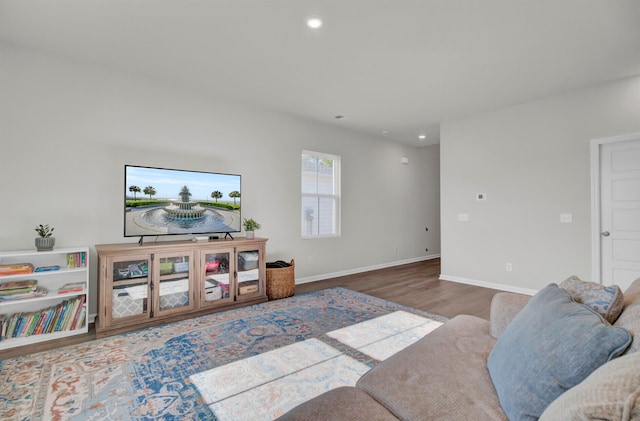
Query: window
column 320, row 195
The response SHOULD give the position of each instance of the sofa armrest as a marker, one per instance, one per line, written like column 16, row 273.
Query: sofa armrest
column 504, row 307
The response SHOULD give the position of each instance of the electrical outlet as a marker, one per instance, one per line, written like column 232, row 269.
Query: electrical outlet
column 508, row 267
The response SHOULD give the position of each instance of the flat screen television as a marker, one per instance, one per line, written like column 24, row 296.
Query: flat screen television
column 163, row 201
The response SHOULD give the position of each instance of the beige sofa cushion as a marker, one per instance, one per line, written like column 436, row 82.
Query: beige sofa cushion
column 443, row 376
column 504, row 307
column 612, row 392
column 630, row 317
column 343, row 403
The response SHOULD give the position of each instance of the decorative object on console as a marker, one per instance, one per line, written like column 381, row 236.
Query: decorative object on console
column 250, row 226
column 45, row 242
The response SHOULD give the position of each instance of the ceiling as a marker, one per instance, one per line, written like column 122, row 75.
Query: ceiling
column 395, row 66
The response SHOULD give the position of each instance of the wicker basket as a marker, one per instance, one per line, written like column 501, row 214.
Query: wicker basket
column 281, row 282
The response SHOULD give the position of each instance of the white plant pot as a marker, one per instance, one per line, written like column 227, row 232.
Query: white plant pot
column 250, row 235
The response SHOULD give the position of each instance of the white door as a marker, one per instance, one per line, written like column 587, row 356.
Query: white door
column 620, row 212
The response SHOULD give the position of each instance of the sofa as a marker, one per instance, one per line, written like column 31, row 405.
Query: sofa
column 558, row 355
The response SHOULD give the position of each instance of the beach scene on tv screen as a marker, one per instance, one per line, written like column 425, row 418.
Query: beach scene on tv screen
column 164, row 201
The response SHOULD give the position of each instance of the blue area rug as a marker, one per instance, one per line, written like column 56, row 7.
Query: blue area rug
column 144, row 375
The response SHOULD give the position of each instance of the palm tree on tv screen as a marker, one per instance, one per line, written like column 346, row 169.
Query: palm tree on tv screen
column 234, row 194
column 134, row 190
column 216, row 195
column 150, row 191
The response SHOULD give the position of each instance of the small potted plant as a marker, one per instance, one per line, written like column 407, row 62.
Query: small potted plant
column 45, row 242
column 250, row 226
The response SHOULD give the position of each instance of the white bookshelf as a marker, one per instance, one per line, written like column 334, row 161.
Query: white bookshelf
column 52, row 280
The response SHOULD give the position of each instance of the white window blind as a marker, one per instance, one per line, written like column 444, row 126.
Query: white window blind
column 320, row 195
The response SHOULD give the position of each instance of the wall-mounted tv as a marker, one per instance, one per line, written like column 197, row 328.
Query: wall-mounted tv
column 163, row 201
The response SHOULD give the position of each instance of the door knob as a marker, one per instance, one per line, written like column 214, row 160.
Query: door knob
column 605, row 233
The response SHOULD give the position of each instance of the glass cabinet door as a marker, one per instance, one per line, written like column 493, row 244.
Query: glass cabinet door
column 249, row 272
column 129, row 288
column 175, row 285
column 217, row 277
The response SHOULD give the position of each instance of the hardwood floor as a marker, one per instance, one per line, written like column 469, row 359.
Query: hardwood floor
column 415, row 285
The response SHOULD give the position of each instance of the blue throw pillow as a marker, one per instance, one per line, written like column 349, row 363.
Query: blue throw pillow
column 550, row 346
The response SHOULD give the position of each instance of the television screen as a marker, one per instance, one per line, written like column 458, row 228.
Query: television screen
column 161, row 201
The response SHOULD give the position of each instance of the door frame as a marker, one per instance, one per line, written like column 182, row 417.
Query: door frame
column 596, row 229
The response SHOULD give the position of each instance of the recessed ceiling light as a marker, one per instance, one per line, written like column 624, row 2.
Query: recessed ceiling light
column 422, row 136
column 385, row 132
column 314, row 22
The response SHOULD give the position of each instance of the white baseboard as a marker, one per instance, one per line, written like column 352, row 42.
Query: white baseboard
column 363, row 269
column 501, row 287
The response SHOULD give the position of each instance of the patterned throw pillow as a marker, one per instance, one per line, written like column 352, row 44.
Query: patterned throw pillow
column 608, row 301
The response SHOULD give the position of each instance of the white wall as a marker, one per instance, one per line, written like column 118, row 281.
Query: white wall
column 532, row 161
column 69, row 128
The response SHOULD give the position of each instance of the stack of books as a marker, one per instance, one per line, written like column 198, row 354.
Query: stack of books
column 16, row 269
column 68, row 315
column 71, row 287
column 18, row 290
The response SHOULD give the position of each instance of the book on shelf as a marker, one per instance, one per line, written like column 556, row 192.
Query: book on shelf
column 20, row 323
column 33, row 326
column 72, row 287
column 48, row 314
column 67, row 315
column 68, row 320
column 47, row 268
column 42, row 316
column 16, row 269
column 53, row 314
column 77, row 260
column 79, row 317
column 63, row 314
column 82, row 319
column 23, row 294
column 11, row 323
column 29, row 284
column 3, row 327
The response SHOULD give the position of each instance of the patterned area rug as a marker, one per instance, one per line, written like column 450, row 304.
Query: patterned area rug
column 169, row 372
column 265, row 386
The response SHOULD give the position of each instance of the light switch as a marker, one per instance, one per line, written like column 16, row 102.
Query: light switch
column 463, row 217
column 566, row 218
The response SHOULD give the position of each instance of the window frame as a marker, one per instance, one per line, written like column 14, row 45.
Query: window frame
column 319, row 196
